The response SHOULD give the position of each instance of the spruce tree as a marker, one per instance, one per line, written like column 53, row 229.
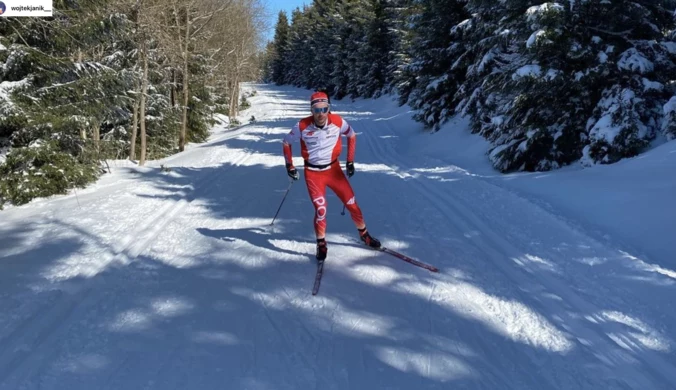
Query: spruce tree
column 71, row 90
column 553, row 82
column 434, row 81
column 380, row 46
column 280, row 49
column 395, row 14
column 298, row 58
column 636, row 60
column 359, row 56
column 322, row 38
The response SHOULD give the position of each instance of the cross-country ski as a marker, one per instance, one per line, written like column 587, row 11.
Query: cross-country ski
column 409, row 260
column 318, row 277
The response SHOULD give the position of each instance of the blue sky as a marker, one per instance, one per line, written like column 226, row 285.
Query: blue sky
column 274, row 6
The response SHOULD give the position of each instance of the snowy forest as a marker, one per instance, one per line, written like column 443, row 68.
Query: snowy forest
column 548, row 84
column 105, row 79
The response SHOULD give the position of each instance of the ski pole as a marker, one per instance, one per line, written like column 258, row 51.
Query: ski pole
column 280, row 205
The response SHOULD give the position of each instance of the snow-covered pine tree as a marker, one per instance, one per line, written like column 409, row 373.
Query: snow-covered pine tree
column 298, row 57
column 395, row 14
column 636, row 61
column 321, row 39
column 266, row 62
column 434, row 82
column 280, row 45
column 669, row 124
column 358, row 56
column 403, row 74
column 381, row 45
column 200, row 106
column 71, row 89
column 340, row 75
column 516, row 91
column 550, row 83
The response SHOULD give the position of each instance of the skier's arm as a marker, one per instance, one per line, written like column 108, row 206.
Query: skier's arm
column 292, row 136
column 347, row 131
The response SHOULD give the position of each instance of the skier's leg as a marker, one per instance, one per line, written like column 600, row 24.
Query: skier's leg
column 316, row 186
column 341, row 186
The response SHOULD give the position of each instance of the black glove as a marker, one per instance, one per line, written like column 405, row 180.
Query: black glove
column 292, row 172
column 350, row 168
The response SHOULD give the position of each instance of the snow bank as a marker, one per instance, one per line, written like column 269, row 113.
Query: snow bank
column 630, row 201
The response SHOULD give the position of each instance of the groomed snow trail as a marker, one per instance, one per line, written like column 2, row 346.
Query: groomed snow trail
column 155, row 279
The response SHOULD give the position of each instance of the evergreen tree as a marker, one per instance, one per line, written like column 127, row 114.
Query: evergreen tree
column 546, row 88
column 403, row 73
column 71, row 89
column 435, row 81
column 359, row 56
column 280, row 49
column 324, row 19
column 340, row 75
column 669, row 124
column 267, row 61
column 299, row 58
column 395, row 14
column 636, row 61
column 380, row 46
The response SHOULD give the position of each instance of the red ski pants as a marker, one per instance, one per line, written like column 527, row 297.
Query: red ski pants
column 335, row 179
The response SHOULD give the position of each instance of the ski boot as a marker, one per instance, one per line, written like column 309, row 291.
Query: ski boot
column 368, row 240
column 321, row 249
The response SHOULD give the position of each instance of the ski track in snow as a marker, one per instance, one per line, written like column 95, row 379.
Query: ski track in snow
column 168, row 280
column 498, row 247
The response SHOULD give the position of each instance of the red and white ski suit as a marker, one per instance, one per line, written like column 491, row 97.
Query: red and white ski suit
column 321, row 148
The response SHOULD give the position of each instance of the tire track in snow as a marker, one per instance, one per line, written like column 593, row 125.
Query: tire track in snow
column 18, row 357
column 498, row 248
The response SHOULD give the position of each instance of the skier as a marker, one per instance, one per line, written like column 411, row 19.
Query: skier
column 320, row 142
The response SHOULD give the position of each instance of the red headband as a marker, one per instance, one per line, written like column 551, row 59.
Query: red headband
column 318, row 97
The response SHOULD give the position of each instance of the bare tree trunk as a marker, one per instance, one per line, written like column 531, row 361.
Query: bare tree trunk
column 184, row 120
column 96, row 131
column 174, row 98
column 142, row 113
column 234, row 98
column 132, row 150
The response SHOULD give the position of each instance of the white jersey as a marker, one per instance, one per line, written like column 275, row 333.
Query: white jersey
column 320, row 146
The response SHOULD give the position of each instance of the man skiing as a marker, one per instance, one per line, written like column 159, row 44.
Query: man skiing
column 320, row 140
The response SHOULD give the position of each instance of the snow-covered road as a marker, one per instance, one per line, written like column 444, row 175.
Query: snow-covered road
column 156, row 279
